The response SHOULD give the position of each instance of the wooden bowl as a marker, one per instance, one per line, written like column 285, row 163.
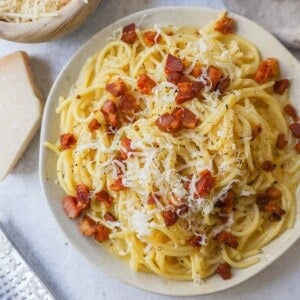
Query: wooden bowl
column 44, row 29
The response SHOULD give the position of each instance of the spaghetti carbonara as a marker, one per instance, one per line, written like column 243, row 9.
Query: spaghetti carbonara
column 178, row 149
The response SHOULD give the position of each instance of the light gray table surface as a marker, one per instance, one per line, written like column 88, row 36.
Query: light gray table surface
column 25, row 214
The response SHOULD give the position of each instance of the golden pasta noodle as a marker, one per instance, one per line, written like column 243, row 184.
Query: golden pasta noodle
column 175, row 140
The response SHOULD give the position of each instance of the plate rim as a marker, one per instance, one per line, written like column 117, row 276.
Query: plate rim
column 42, row 155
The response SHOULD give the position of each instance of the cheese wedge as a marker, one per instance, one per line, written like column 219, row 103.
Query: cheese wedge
column 20, row 109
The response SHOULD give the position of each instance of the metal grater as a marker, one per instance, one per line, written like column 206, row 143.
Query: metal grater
column 18, row 281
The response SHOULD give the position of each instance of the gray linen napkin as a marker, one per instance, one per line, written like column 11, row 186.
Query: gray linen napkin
column 281, row 17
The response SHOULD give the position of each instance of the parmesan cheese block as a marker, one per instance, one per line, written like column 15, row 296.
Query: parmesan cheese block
column 20, row 109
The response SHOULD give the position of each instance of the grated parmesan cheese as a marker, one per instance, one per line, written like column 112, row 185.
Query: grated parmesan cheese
column 21, row 11
column 139, row 222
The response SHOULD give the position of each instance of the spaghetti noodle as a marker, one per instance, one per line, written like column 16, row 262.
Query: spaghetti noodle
column 176, row 149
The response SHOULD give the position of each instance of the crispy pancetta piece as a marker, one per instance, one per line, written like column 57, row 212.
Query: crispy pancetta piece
column 205, row 184
column 276, row 211
column 102, row 233
column 256, row 131
column 67, row 140
column 128, row 105
column 129, row 35
column 173, row 64
column 151, row 200
column 170, row 217
column 226, row 203
column 223, row 84
column 214, row 75
column 281, row 141
column 185, row 92
column 273, row 193
column 145, row 84
column 268, row 166
column 269, row 194
column 224, row 271
column 187, row 118
column 72, row 207
column 117, row 88
column 227, row 238
column 83, row 194
column 176, row 78
column 295, row 129
column 168, row 123
column 291, row 111
column 195, row 241
column 280, row 86
column 225, row 25
column 179, row 118
column 87, row 226
column 126, row 147
column 104, row 197
column 197, row 70
column 117, row 185
column 151, row 38
column 197, row 88
column 94, row 125
column 110, row 112
column 267, row 69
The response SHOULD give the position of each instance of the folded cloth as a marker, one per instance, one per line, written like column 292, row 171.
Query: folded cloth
column 281, row 17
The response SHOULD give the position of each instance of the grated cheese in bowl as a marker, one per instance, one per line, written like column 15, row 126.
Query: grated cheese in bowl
column 22, row 11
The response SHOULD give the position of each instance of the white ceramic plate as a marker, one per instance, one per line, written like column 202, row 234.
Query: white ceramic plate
column 113, row 266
